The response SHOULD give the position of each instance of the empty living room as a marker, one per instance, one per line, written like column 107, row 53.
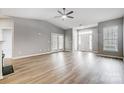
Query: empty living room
column 61, row 45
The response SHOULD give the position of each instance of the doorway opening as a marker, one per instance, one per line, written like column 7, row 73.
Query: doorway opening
column 85, row 40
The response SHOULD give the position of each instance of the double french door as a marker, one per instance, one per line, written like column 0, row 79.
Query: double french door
column 57, row 42
column 85, row 40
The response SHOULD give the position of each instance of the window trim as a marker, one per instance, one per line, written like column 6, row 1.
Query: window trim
column 113, row 38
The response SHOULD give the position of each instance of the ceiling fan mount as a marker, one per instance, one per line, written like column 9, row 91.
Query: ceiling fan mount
column 64, row 14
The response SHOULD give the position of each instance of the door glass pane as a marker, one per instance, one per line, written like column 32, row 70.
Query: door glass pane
column 61, row 42
column 54, row 42
column 57, row 42
column 85, row 40
column 110, row 38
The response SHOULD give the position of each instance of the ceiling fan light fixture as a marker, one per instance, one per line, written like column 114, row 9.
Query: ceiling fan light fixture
column 64, row 14
column 64, row 17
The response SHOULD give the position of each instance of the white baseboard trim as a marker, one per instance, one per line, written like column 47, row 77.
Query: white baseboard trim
column 31, row 55
column 36, row 54
column 1, row 77
column 68, row 50
column 61, row 51
column 95, row 51
column 110, row 56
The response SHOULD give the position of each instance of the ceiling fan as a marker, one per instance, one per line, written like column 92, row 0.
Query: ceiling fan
column 64, row 14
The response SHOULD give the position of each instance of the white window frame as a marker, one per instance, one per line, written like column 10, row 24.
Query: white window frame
column 110, row 38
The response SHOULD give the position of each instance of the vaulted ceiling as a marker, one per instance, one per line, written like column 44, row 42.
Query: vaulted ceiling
column 83, row 16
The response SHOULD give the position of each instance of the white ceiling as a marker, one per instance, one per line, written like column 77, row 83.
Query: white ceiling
column 84, row 16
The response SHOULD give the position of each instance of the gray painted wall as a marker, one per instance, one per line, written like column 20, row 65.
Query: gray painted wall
column 68, row 40
column 32, row 36
column 119, row 22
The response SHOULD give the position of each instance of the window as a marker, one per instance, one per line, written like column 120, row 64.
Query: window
column 110, row 38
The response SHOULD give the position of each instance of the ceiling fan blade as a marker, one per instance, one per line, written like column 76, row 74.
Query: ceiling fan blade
column 70, row 16
column 60, row 12
column 69, row 12
column 57, row 16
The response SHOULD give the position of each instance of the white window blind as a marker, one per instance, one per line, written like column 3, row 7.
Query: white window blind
column 110, row 38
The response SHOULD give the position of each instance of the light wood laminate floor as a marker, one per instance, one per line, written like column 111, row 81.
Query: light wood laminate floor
column 67, row 67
